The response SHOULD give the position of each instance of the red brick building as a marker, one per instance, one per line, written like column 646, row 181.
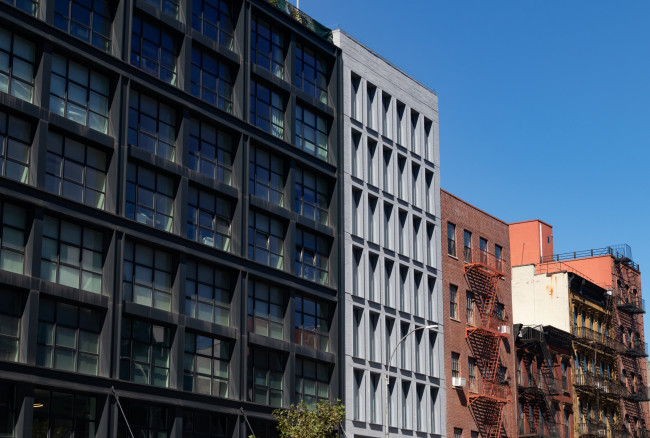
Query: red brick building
column 479, row 348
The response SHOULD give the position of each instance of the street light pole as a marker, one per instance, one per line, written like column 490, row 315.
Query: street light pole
column 390, row 359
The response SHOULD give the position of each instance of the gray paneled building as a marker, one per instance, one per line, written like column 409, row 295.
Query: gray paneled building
column 169, row 207
column 391, row 180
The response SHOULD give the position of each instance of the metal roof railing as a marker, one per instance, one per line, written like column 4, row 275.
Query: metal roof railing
column 622, row 251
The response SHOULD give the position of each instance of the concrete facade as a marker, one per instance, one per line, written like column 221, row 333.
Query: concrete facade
column 458, row 218
column 169, row 219
column 392, row 248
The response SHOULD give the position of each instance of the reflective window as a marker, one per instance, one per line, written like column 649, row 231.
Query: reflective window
column 68, row 337
column 144, row 356
column 208, row 219
column 208, row 292
column 15, row 141
column 312, row 196
column 311, row 132
column 265, row 385
column 267, row 47
column 312, row 319
column 10, row 314
column 64, row 414
column 88, row 20
column 12, row 238
column 169, row 7
column 29, row 6
column 265, row 240
column 147, row 276
column 149, row 198
column 154, row 50
column 311, row 73
column 144, row 420
column 312, row 257
column 267, row 110
column 312, row 382
column 213, row 18
column 206, row 365
column 76, row 171
column 197, row 424
column 266, row 176
column 79, row 94
column 17, row 56
column 210, row 151
column 152, row 126
column 211, row 80
column 266, row 306
column 72, row 255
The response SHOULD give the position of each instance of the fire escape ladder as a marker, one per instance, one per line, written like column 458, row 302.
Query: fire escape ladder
column 494, row 430
column 548, row 369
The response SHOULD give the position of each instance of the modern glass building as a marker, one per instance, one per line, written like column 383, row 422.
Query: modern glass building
column 169, row 208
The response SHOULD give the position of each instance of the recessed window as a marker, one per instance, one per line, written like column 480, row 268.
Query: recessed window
column 209, row 219
column 312, row 196
column 152, row 126
column 29, row 6
column 10, row 316
column 144, row 419
column 311, row 73
column 451, row 239
column 266, row 173
column 265, row 240
column 208, row 291
column 266, row 307
column 147, row 276
column 267, row 47
column 88, row 20
column 265, row 377
column 312, row 257
column 17, row 57
column 211, row 80
column 72, row 255
column 355, row 97
column 312, row 382
column 210, row 151
column 68, row 337
column 65, row 411
column 453, row 301
column 149, row 198
column 371, row 110
column 144, row 354
column 79, row 94
column 76, row 171
column 15, row 141
column 455, row 365
column 196, row 424
column 169, row 7
column 311, row 132
column 213, row 18
column 206, row 365
column 312, row 318
column 154, row 50
column 267, row 110
column 12, row 238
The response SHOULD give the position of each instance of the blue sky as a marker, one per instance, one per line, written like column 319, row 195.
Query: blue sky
column 544, row 105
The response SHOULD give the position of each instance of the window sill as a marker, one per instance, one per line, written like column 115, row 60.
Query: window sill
column 455, row 319
column 453, row 256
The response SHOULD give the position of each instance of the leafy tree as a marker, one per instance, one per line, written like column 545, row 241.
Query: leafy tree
column 302, row 421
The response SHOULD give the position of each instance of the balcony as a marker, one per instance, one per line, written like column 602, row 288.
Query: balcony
column 633, row 349
column 590, row 335
column 592, row 429
column 638, row 393
column 630, row 304
column 485, row 259
column 589, row 382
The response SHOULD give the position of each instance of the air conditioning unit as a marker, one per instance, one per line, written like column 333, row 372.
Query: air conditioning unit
column 609, row 292
column 602, row 432
column 505, row 329
column 458, row 382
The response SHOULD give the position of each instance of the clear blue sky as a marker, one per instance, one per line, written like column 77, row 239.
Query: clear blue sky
column 544, row 106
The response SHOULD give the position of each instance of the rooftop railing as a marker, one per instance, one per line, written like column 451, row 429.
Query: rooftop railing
column 302, row 18
column 623, row 252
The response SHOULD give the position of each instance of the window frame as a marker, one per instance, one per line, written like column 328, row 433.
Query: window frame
column 10, row 232
column 162, row 136
column 202, row 75
column 308, row 61
column 96, row 37
column 136, row 334
column 311, row 245
column 148, row 291
column 320, row 315
column 267, row 176
column 272, row 238
column 196, row 358
column 198, row 151
column 271, row 37
column 321, row 377
column 197, row 285
column 136, row 192
column 269, row 307
column 218, row 210
column 166, row 46
column 221, row 30
column 318, row 144
column 21, row 68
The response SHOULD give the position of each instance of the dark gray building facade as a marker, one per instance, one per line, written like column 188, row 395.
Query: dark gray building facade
column 169, row 217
